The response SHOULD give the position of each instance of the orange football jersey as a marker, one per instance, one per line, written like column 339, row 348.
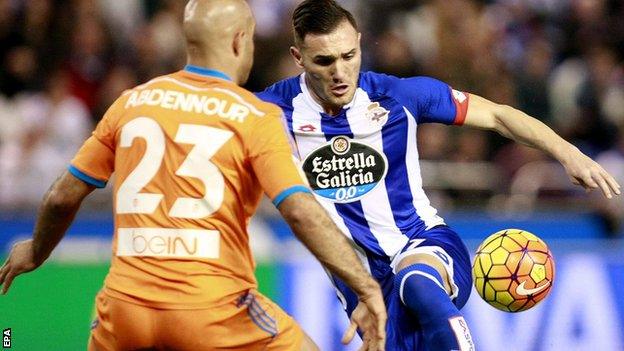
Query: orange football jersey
column 192, row 153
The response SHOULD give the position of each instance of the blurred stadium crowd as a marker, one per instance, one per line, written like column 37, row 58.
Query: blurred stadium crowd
column 63, row 62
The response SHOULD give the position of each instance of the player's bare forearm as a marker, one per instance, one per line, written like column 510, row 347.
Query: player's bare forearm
column 527, row 130
column 58, row 209
column 516, row 125
column 313, row 227
column 322, row 237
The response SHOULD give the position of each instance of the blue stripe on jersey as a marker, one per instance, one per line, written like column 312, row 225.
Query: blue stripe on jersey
column 395, row 139
column 206, row 72
column 85, row 177
column 282, row 94
column 352, row 213
column 286, row 193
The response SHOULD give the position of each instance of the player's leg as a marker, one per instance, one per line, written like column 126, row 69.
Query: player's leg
column 251, row 322
column 289, row 335
column 431, row 272
column 421, row 288
column 308, row 344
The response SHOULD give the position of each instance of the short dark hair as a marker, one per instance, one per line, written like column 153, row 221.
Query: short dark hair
column 319, row 17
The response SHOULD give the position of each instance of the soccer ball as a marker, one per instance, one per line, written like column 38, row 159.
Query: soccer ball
column 513, row 270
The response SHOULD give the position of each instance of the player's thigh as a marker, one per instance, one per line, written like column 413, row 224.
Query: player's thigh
column 120, row 325
column 289, row 335
column 443, row 249
column 252, row 322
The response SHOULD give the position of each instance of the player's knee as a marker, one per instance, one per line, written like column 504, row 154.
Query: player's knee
column 430, row 261
column 417, row 281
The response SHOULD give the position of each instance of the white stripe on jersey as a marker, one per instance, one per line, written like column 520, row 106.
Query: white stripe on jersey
column 376, row 204
column 331, row 209
column 425, row 211
column 307, row 143
column 304, row 116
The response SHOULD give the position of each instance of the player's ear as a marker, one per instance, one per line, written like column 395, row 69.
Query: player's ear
column 238, row 43
column 296, row 54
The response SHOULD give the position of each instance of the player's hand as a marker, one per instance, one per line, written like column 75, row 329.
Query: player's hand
column 587, row 173
column 21, row 260
column 370, row 317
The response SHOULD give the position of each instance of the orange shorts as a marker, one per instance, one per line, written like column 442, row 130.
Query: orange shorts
column 252, row 323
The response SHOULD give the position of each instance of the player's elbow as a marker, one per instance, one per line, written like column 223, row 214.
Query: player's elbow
column 298, row 209
column 503, row 115
column 293, row 215
column 295, row 219
column 57, row 201
column 66, row 194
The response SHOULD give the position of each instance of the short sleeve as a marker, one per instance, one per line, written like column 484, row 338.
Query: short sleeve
column 95, row 161
column 430, row 100
column 272, row 159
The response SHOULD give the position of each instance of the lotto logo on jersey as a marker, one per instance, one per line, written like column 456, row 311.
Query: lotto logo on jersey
column 344, row 170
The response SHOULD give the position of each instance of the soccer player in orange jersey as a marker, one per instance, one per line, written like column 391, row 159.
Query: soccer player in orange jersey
column 192, row 153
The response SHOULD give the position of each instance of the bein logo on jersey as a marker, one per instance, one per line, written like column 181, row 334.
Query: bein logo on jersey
column 6, row 338
column 344, row 170
column 168, row 242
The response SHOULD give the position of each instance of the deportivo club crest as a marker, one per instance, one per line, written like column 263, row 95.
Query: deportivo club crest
column 376, row 114
column 343, row 170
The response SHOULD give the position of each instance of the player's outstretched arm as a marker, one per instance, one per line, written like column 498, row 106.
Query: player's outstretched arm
column 58, row 209
column 522, row 128
column 319, row 234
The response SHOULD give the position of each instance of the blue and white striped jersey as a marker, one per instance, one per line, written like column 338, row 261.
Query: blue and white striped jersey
column 362, row 164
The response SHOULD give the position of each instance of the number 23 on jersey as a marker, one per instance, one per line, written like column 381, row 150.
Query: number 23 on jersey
column 206, row 143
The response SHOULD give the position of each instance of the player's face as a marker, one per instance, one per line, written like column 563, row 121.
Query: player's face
column 332, row 65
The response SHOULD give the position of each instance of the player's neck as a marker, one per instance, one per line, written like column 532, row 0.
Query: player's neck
column 331, row 110
column 213, row 65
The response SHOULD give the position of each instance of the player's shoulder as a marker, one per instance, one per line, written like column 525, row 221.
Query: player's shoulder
column 260, row 107
column 152, row 83
column 131, row 94
column 156, row 81
column 198, row 87
column 282, row 92
column 381, row 83
column 373, row 82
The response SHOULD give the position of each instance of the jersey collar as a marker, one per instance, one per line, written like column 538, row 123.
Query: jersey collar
column 206, row 72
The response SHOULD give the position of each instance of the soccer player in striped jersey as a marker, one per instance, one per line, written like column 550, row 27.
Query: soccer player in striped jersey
column 355, row 134
column 192, row 153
